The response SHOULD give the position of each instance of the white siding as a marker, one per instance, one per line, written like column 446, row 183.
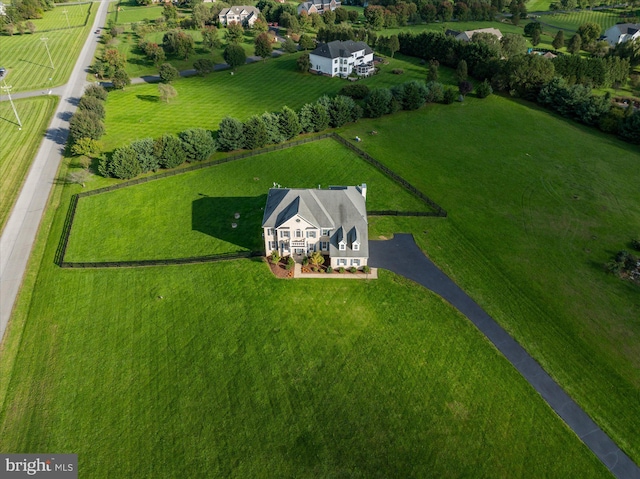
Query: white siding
column 322, row 64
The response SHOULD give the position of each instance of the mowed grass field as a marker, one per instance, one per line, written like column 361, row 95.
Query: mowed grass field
column 25, row 56
column 56, row 19
column 223, row 370
column 130, row 12
column 536, row 206
column 203, row 101
column 191, row 214
column 20, row 146
column 572, row 21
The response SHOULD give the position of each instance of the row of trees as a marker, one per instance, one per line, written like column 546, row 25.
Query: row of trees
column 86, row 127
column 167, row 151
column 18, row 11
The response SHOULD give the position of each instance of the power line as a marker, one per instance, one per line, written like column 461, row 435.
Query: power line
column 46, row 45
column 7, row 88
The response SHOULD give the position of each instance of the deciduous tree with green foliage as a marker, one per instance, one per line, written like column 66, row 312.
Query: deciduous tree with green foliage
column 289, row 45
column 85, row 124
column 263, row 46
column 234, row 55
column 230, row 134
column 210, row 38
column 304, row 63
column 378, row 103
column 96, row 91
column 558, row 40
column 92, row 104
column 513, row 44
column 168, row 73
column 167, row 92
column 234, row 33
column 179, row 43
column 306, row 42
column 120, row 79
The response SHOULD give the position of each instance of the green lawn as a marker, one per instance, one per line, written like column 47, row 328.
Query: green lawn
column 223, row 370
column 19, row 146
column 191, row 214
column 25, row 56
column 459, row 26
column 131, row 13
column 572, row 21
column 56, row 19
column 534, row 213
column 538, row 5
column 265, row 86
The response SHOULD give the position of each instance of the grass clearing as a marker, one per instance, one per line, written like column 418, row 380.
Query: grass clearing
column 191, row 214
column 19, row 147
column 25, row 56
column 221, row 369
column 263, row 86
column 530, row 242
column 572, row 21
column 56, row 19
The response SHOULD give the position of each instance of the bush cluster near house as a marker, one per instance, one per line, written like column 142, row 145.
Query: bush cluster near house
column 167, row 151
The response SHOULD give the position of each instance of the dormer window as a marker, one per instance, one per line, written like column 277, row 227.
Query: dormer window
column 356, row 246
column 342, row 246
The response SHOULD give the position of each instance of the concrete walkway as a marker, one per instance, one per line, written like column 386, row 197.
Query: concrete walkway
column 402, row 256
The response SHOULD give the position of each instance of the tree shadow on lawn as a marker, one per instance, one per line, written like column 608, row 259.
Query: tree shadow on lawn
column 151, row 98
column 215, row 217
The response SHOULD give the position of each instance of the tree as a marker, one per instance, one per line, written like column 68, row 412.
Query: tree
column 306, row 42
column 93, row 105
column 513, row 44
column 263, row 46
column 304, row 63
column 532, row 27
column 378, row 102
column 342, row 15
column 432, row 73
column 357, row 91
column 289, row 123
column 527, row 74
column 575, row 44
column 375, row 16
column 210, row 39
column 329, row 17
column 353, row 15
column 483, row 90
column 124, row 163
column 120, row 79
column 465, row 87
column 255, row 133
column 78, row 177
column 290, row 46
column 461, row 71
column 197, row 143
column 154, row 52
column 234, row 55
column 320, row 117
column 413, row 95
column 87, row 147
column 589, row 32
column 316, row 258
column 558, row 40
column 435, row 92
column 204, row 66
column 170, row 12
column 169, row 152
column 230, row 134
column 260, row 26
column 147, row 159
column 168, row 73
column 85, row 124
column 393, row 44
column 234, row 33
column 535, row 38
column 449, row 96
column 31, row 27
column 167, row 92
column 179, row 43
column 342, row 109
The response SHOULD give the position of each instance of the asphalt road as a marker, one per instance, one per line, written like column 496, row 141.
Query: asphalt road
column 20, row 230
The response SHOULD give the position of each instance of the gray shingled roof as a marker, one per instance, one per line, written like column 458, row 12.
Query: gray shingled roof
column 337, row 49
column 326, row 209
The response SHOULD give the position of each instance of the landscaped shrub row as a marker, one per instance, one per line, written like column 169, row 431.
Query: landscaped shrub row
column 148, row 154
column 535, row 78
column 86, row 126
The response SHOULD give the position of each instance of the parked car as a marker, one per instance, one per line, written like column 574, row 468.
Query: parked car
column 3, row 72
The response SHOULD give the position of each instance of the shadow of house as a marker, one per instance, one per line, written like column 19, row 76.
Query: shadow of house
column 214, row 216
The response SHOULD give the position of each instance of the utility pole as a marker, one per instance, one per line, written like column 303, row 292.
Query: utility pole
column 46, row 45
column 7, row 88
column 66, row 15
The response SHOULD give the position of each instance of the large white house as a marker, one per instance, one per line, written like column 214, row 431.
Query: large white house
column 339, row 58
column 622, row 32
column 467, row 35
column 297, row 222
column 318, row 6
column 243, row 14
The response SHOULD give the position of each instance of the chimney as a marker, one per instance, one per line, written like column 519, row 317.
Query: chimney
column 363, row 191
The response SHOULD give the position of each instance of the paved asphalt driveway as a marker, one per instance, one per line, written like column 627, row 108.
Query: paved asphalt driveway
column 402, row 256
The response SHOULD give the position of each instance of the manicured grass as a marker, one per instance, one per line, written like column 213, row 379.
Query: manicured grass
column 572, row 21
column 538, row 5
column 191, row 214
column 56, row 19
column 223, row 370
column 203, row 102
column 131, row 13
column 536, row 206
column 25, row 56
column 19, row 146
column 459, row 26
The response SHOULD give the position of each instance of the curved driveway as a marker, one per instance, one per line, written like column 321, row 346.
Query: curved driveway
column 22, row 226
column 402, row 256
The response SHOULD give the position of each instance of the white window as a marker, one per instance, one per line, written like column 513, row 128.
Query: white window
column 356, row 247
column 342, row 262
column 270, row 231
column 284, row 233
column 298, row 233
column 335, row 61
column 335, row 70
column 355, row 262
column 311, row 234
column 343, row 246
column 325, row 232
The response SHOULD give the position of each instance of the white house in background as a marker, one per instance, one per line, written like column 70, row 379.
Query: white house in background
column 339, row 58
column 318, row 6
column 622, row 32
column 3, row 9
column 243, row 14
column 468, row 35
column 297, row 222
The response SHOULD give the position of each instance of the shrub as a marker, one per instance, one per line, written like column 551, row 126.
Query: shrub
column 483, row 90
column 635, row 243
column 120, row 79
column 289, row 123
column 204, row 66
column 124, row 163
column 146, row 156
column 303, row 62
column 275, row 256
column 341, row 270
column 87, row 147
column 272, row 124
column 378, row 103
column 355, row 91
column 397, row 71
column 92, row 104
column 85, row 124
column 305, row 261
column 290, row 263
column 329, row 270
column 449, row 96
column 353, row 270
column 366, row 269
column 435, row 92
column 168, row 73
column 414, row 96
column 96, row 91
column 169, row 152
column 230, row 134
column 198, row 144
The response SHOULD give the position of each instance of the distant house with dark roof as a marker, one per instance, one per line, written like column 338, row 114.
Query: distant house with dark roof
column 243, row 14
column 466, row 36
column 297, row 222
column 339, row 58
column 317, row 6
column 622, row 32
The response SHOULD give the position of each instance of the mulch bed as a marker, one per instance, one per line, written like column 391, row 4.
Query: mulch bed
column 279, row 270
